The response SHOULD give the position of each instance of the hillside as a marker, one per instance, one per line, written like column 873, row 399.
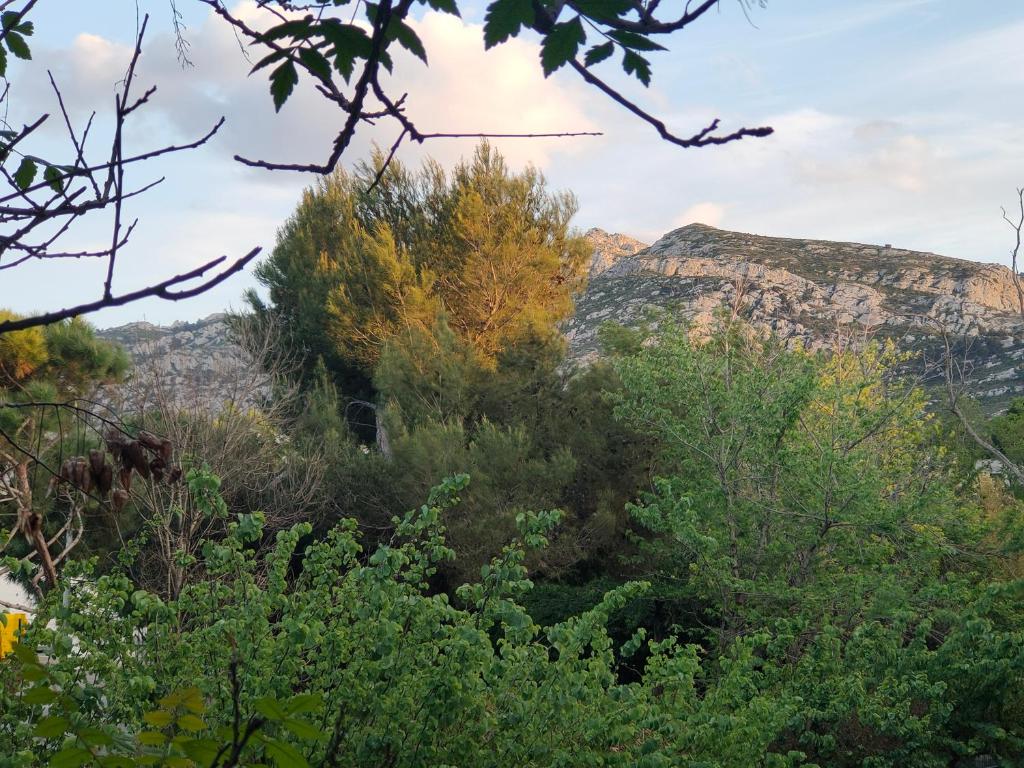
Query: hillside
column 801, row 289
column 806, row 289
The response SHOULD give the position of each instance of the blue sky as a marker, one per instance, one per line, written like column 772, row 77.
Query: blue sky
column 897, row 121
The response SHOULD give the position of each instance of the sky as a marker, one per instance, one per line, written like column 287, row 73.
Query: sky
column 896, row 121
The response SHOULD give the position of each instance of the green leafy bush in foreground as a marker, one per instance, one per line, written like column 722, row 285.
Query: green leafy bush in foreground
column 819, row 596
column 318, row 656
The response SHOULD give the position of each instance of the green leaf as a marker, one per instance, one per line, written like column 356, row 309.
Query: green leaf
column 268, row 60
column 445, row 6
column 561, row 45
column 54, row 177
column 602, row 10
column 284, row 755
column 191, row 723
column 504, row 18
column 303, row 729
column 202, row 751
column 40, row 695
column 51, row 727
column 152, row 738
column 25, row 174
column 315, row 62
column 407, row 37
column 282, row 83
column 158, row 718
column 94, row 737
column 17, row 45
column 303, row 702
column 296, row 29
column 26, row 655
column 270, row 708
column 634, row 63
column 635, row 41
column 70, row 757
column 599, row 53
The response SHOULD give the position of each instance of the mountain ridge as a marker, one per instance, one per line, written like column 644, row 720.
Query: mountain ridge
column 800, row 289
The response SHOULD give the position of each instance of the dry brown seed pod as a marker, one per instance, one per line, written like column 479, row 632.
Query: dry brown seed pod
column 105, row 481
column 115, row 443
column 149, row 440
column 82, row 475
column 96, row 462
column 175, row 475
column 118, row 499
column 157, row 467
column 166, row 450
column 126, row 478
column 135, row 457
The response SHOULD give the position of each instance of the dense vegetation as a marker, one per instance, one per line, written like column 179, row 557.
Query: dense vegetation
column 706, row 549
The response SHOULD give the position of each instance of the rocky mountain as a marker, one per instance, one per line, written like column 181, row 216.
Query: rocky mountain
column 192, row 363
column 802, row 290
column 809, row 289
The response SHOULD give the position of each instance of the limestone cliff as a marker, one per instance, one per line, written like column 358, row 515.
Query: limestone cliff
column 807, row 289
column 801, row 289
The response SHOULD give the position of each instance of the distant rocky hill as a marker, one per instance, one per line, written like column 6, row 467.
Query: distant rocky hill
column 801, row 289
column 194, row 363
column 806, row 289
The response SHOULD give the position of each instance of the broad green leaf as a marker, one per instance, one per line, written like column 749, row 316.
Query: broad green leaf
column 152, row 738
column 407, row 37
column 561, row 44
column 599, row 53
column 94, row 737
column 282, row 83
column 303, row 729
column 54, row 178
column 25, row 174
column 17, row 45
column 315, row 62
column 51, row 726
column 70, row 757
column 158, row 718
column 445, row 6
column 268, row 60
column 270, row 708
column 191, row 723
column 40, row 695
column 635, row 64
column 294, row 29
column 303, row 702
column 504, row 18
column 203, row 751
column 603, row 9
column 284, row 755
column 634, row 41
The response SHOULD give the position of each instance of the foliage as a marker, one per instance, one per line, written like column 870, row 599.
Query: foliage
column 382, row 670
column 487, row 250
column 1008, row 431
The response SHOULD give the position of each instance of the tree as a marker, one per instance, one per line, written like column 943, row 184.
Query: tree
column 45, row 372
column 778, row 466
column 488, row 250
column 46, row 197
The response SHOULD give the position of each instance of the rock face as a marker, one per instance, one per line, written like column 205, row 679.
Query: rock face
column 191, row 363
column 807, row 290
column 802, row 290
column 608, row 249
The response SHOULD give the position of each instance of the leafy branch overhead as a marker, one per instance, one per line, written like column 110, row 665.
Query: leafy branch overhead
column 347, row 57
